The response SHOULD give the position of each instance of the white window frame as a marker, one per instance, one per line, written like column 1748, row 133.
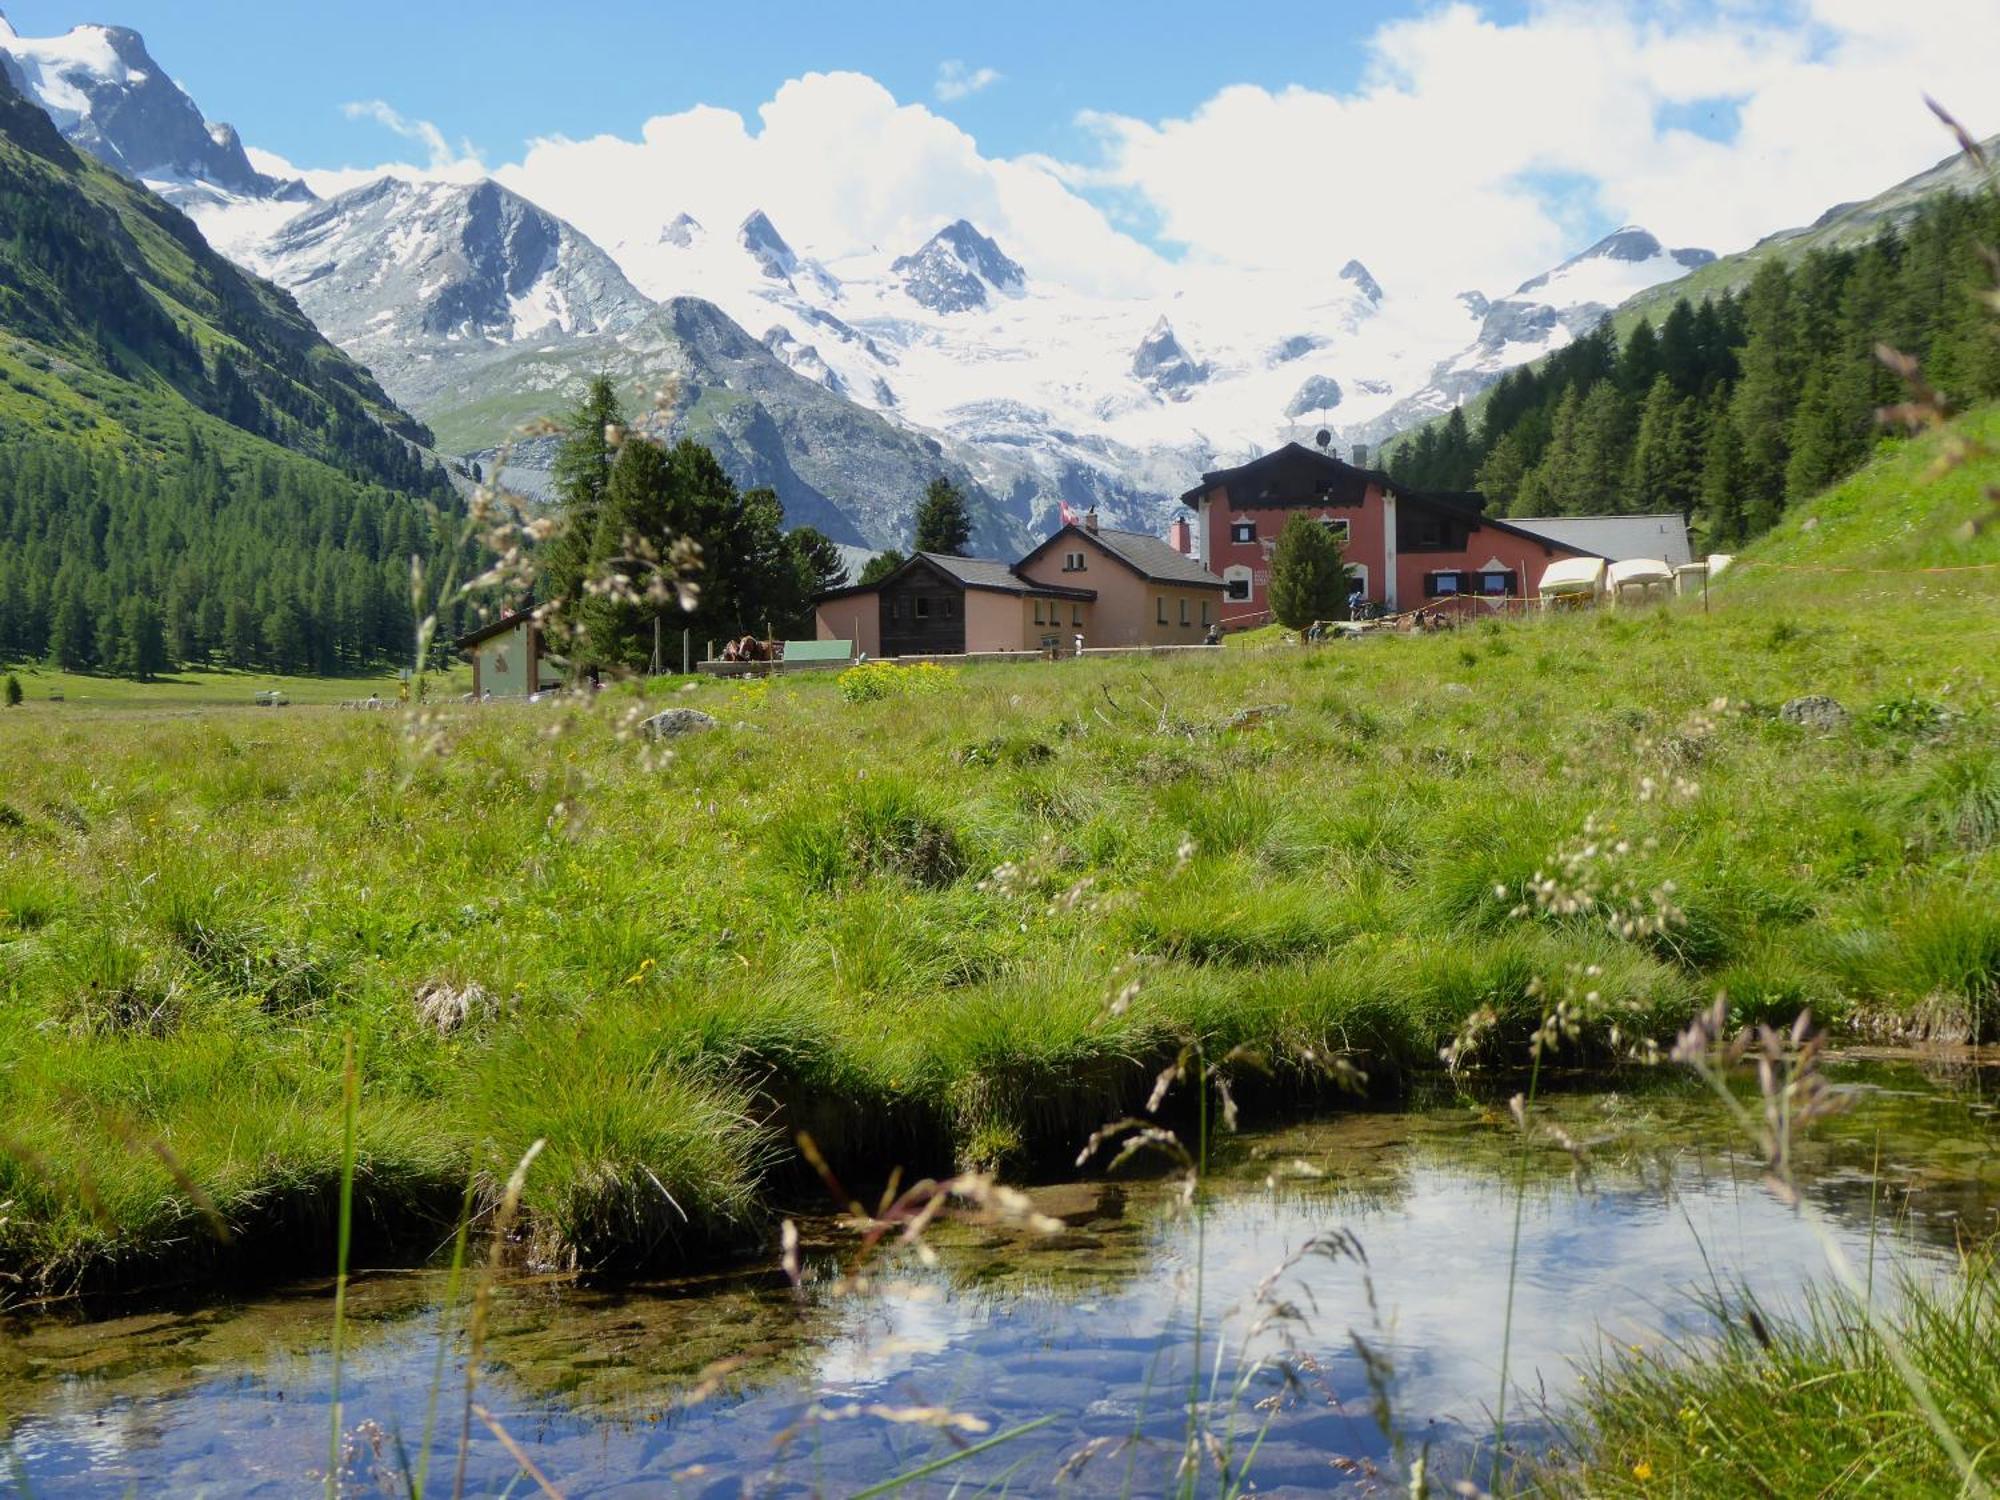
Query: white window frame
column 1340, row 526
column 1234, row 574
column 1241, row 532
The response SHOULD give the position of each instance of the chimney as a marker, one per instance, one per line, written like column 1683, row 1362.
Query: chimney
column 1090, row 519
column 1180, row 536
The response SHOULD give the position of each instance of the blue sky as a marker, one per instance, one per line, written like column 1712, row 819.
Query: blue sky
column 498, row 73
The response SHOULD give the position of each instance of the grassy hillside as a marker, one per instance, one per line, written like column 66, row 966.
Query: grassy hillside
column 967, row 919
column 1899, row 512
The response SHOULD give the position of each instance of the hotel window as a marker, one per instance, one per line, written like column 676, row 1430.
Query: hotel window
column 1184, row 609
column 922, row 608
column 1242, row 531
column 1038, row 613
column 1441, row 585
column 1338, row 525
column 1496, row 581
column 1074, row 562
column 1427, row 531
column 1204, row 614
column 1076, row 614
column 1236, row 583
column 1160, row 608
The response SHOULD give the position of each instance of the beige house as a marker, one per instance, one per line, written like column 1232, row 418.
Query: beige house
column 508, row 659
column 1112, row 588
column 1147, row 593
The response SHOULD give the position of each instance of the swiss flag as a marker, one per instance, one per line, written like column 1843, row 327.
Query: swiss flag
column 1069, row 516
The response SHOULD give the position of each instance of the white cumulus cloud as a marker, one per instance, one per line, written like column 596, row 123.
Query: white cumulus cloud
column 842, row 168
column 1474, row 152
column 955, row 80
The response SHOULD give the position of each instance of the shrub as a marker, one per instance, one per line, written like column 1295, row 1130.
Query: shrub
column 13, row 692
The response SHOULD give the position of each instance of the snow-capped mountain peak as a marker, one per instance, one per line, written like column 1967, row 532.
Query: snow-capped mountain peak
column 1541, row 315
column 107, row 96
column 758, row 235
column 954, row 269
column 393, row 268
column 1627, row 260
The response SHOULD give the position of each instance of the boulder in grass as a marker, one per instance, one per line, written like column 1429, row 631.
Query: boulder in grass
column 1815, row 711
column 672, row 723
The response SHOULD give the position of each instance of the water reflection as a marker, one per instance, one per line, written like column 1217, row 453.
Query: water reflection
column 1091, row 1333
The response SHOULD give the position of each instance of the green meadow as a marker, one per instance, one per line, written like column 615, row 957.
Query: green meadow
column 960, row 916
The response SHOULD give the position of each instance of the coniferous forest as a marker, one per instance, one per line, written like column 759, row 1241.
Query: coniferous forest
column 1736, row 406
column 134, row 567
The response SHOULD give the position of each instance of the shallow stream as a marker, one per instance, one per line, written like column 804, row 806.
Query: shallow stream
column 731, row 1384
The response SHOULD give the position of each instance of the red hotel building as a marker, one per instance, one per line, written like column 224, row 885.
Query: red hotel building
column 1404, row 546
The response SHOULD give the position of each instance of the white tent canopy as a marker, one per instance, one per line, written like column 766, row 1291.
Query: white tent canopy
column 1573, row 575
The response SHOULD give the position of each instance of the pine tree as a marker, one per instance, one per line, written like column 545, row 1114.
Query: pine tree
column 818, row 560
column 1819, row 439
column 881, row 565
column 1640, row 362
column 1719, row 503
column 580, row 475
column 73, row 632
column 142, row 647
column 1308, row 576
column 1651, row 482
column 944, row 524
column 1501, row 476
column 1768, row 390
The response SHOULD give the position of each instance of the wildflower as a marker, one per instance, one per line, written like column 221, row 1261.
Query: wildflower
column 1642, row 1470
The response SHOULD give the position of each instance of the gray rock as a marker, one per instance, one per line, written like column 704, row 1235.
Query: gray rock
column 1815, row 711
column 1365, row 284
column 672, row 723
column 1318, row 393
column 1164, row 364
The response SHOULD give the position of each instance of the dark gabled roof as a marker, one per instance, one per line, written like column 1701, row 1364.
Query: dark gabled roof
column 986, row 573
column 500, row 626
column 997, row 577
column 1334, row 479
column 1145, row 554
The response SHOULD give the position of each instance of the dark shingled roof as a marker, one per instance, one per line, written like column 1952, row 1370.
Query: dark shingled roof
column 991, row 573
column 1150, row 557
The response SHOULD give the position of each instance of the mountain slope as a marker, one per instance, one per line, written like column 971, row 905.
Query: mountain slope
column 848, row 471
column 100, row 281
column 486, row 314
column 1843, row 224
column 1542, row 315
column 425, row 280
